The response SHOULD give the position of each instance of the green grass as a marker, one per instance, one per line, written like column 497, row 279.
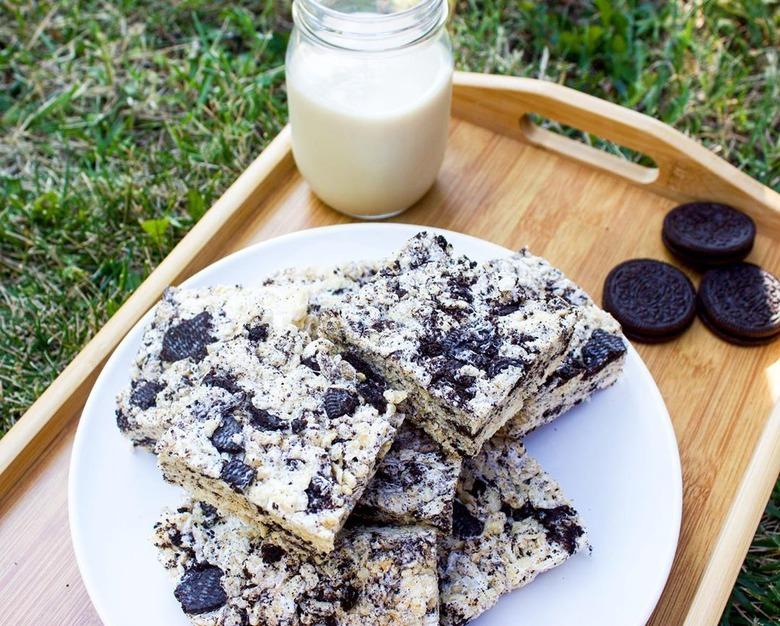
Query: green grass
column 121, row 122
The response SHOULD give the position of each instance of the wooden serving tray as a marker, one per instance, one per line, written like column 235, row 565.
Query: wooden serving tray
column 506, row 180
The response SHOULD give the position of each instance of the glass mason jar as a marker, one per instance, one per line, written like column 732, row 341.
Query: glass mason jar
column 369, row 85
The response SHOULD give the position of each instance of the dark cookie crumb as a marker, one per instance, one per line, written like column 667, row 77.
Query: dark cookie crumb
column 318, row 493
column 559, row 522
column 271, row 553
column 223, row 381
column 209, row 513
column 359, row 364
column 188, row 339
column 498, row 365
column 567, row 370
column 349, row 597
column 478, row 487
column 207, row 509
column 601, row 349
column 442, row 242
column 176, row 538
column 257, row 333
column 224, row 437
column 237, row 474
column 373, row 394
column 121, row 421
column 263, row 420
column 460, row 289
column 507, row 309
column 447, row 372
column 298, row 425
column 373, row 388
column 464, row 524
column 200, row 589
column 311, row 363
column 144, row 394
column 338, row 402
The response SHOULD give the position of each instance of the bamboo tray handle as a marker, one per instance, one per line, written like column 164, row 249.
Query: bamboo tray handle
column 684, row 169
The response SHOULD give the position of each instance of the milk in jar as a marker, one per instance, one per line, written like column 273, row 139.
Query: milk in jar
column 369, row 90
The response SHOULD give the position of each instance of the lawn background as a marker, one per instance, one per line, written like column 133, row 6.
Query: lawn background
column 121, row 122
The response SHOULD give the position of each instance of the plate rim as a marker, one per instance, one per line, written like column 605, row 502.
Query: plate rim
column 77, row 541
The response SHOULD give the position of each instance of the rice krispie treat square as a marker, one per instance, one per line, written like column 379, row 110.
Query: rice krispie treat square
column 231, row 574
column 594, row 357
column 281, row 432
column 469, row 343
column 511, row 523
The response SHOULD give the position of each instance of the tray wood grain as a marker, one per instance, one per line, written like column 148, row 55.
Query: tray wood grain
column 510, row 182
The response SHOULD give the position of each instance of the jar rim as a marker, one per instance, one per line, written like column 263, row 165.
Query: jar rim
column 358, row 16
column 369, row 31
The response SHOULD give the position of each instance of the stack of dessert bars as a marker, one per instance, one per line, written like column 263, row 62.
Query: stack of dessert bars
column 350, row 439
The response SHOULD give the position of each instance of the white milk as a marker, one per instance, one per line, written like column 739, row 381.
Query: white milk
column 369, row 130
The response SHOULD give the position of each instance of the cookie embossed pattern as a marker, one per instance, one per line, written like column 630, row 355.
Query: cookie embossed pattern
column 707, row 234
column 739, row 302
column 652, row 300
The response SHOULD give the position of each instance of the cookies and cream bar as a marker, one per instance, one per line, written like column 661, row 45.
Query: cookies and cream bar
column 469, row 343
column 189, row 324
column 594, row 357
column 414, row 484
column 230, row 574
column 279, row 431
column 511, row 523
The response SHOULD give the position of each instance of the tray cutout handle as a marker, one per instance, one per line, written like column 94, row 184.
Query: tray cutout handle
column 685, row 170
column 583, row 153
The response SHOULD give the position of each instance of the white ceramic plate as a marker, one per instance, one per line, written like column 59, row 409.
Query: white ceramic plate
column 615, row 456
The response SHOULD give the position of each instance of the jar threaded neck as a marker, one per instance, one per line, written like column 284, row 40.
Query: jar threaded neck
column 369, row 25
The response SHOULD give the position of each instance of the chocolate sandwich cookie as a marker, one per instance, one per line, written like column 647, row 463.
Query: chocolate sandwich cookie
column 706, row 234
column 741, row 304
column 652, row 300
